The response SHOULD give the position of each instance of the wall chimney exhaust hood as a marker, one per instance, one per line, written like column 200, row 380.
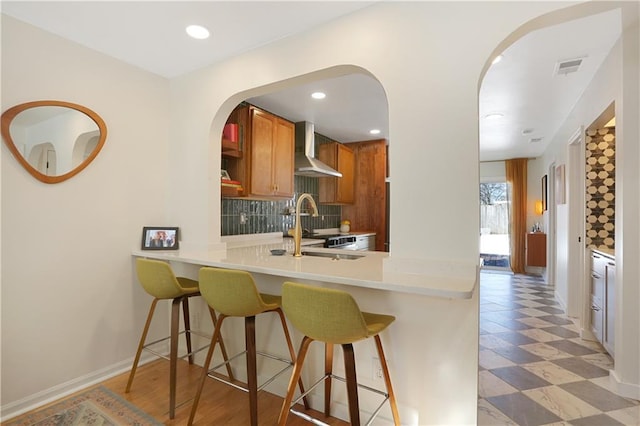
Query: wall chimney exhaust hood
column 305, row 162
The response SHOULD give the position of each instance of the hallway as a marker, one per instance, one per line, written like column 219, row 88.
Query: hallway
column 534, row 368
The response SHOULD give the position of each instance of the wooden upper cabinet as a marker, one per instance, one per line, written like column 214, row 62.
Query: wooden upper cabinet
column 334, row 190
column 272, row 151
column 266, row 147
column 369, row 210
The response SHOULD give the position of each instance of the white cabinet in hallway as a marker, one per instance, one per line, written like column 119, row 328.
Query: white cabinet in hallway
column 603, row 273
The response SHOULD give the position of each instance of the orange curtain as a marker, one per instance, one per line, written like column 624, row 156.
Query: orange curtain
column 516, row 171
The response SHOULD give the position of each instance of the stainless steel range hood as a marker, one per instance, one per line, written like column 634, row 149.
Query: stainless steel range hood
column 305, row 162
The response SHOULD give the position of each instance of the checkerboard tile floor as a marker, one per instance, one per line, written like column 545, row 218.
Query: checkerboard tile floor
column 534, row 367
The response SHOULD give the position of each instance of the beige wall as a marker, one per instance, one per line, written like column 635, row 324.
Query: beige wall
column 74, row 313
column 610, row 84
column 69, row 306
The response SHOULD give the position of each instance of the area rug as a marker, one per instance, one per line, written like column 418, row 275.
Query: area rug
column 97, row 406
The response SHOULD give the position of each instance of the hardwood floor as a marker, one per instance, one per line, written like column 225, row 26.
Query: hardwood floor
column 220, row 404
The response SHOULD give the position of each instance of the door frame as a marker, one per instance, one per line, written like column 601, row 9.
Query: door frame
column 551, row 225
column 577, row 285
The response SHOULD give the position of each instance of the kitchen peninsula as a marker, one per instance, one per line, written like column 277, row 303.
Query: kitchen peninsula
column 375, row 270
column 430, row 299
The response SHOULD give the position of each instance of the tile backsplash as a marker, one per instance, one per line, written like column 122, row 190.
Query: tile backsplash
column 601, row 188
column 271, row 216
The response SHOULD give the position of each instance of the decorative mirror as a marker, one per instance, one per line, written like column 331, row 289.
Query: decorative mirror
column 53, row 140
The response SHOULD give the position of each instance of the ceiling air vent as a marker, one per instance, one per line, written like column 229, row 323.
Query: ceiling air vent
column 568, row 66
column 535, row 140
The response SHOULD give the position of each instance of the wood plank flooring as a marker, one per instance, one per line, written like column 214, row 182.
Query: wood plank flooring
column 220, row 404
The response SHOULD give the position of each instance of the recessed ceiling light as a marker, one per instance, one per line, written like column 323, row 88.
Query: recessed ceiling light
column 318, row 95
column 497, row 59
column 527, row 131
column 198, row 32
column 494, row 115
column 374, row 131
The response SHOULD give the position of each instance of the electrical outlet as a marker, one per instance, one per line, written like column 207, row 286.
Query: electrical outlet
column 376, row 369
column 243, row 218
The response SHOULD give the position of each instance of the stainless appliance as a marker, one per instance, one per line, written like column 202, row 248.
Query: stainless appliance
column 336, row 241
column 305, row 162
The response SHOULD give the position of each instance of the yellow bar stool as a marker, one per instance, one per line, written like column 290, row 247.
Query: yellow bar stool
column 333, row 317
column 234, row 294
column 157, row 279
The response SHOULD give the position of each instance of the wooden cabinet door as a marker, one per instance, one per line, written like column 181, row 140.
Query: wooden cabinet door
column 369, row 210
column 346, row 166
column 537, row 249
column 262, row 147
column 283, row 153
column 334, row 190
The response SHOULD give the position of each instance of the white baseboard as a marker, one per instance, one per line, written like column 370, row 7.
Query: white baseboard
column 588, row 335
column 627, row 390
column 561, row 301
column 47, row 396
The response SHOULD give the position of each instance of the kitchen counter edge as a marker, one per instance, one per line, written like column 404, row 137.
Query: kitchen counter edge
column 450, row 280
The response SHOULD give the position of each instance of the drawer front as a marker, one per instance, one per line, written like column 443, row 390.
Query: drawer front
column 597, row 319
column 598, row 263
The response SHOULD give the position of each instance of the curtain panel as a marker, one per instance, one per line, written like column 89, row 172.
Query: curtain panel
column 516, row 171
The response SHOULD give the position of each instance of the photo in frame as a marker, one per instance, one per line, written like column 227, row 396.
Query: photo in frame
column 160, row 238
column 544, row 193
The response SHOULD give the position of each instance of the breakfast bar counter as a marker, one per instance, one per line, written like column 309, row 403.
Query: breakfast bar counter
column 376, row 270
column 431, row 347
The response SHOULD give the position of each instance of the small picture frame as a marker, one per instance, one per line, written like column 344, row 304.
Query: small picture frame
column 160, row 238
column 544, row 193
column 224, row 175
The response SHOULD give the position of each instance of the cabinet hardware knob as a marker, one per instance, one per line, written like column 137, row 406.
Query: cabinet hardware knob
column 611, row 264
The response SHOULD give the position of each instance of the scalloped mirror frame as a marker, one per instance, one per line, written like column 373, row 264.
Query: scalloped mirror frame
column 12, row 112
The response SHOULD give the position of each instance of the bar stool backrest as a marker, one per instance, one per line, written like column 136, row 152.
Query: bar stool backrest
column 158, row 279
column 324, row 314
column 230, row 292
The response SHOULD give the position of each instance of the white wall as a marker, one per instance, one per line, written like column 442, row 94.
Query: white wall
column 492, row 171
column 616, row 80
column 71, row 310
column 74, row 312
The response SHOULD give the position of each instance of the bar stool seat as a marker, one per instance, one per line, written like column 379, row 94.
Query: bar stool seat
column 234, row 294
column 333, row 317
column 157, row 279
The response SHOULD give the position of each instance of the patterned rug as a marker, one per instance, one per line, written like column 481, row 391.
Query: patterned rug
column 97, row 406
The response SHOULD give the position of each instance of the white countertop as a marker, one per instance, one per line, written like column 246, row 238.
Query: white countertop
column 377, row 270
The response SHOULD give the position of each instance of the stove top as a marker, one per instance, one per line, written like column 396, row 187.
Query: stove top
column 321, row 236
column 333, row 240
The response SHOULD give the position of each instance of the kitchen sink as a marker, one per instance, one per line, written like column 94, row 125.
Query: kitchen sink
column 333, row 256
